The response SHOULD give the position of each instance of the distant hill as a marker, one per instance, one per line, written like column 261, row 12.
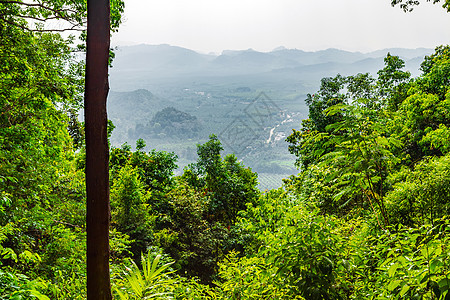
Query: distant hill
column 405, row 54
column 159, row 58
column 151, row 66
column 319, row 57
column 169, row 123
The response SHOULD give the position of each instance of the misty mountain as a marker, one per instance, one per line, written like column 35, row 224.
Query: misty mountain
column 405, row 54
column 250, row 61
column 145, row 66
column 159, row 58
column 319, row 57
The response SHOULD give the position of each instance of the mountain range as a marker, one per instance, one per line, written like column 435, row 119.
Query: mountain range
column 142, row 65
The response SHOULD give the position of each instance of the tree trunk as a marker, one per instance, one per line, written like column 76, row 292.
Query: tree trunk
column 97, row 152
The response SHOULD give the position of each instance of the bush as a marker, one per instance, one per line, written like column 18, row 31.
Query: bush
column 422, row 195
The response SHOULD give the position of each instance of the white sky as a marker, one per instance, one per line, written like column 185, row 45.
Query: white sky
column 216, row 25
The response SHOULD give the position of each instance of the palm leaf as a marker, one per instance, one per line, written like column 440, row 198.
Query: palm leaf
column 152, row 282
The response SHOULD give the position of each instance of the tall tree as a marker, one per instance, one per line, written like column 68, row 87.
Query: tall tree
column 97, row 152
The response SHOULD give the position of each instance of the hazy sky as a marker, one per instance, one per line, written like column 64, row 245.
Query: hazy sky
column 216, row 25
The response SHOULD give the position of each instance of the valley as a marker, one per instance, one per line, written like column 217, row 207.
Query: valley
column 250, row 100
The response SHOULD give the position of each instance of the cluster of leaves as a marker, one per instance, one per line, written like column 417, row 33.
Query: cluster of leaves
column 42, row 197
column 190, row 217
column 363, row 133
column 372, row 151
column 41, row 233
column 71, row 14
column 324, row 257
column 303, row 254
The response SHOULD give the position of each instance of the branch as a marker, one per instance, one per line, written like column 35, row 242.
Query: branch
column 408, row 5
column 39, row 5
column 73, row 28
column 38, row 19
column 69, row 15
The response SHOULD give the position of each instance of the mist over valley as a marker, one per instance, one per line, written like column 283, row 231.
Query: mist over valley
column 251, row 100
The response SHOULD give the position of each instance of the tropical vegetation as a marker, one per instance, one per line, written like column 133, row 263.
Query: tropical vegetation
column 365, row 218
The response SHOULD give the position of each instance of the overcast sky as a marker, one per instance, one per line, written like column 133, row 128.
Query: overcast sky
column 216, row 25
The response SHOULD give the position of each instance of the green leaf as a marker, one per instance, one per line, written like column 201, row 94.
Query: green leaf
column 392, row 269
column 404, row 290
column 393, row 285
column 16, row 296
column 444, row 284
column 426, row 277
column 435, row 287
column 435, row 264
column 38, row 295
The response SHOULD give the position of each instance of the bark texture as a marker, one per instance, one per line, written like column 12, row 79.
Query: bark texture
column 97, row 151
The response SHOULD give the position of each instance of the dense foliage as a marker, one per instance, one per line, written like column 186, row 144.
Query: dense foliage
column 366, row 217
